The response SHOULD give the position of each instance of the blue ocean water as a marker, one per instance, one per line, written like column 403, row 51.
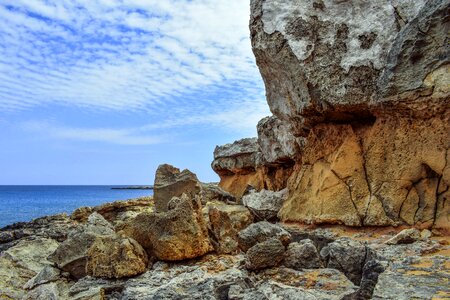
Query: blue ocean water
column 26, row 202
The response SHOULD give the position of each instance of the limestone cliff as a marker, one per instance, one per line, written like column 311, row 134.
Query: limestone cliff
column 360, row 93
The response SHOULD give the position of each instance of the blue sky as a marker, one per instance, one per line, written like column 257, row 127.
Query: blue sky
column 103, row 91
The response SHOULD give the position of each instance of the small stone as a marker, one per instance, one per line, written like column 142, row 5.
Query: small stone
column 406, row 236
column 302, row 255
column 260, row 232
column 265, row 254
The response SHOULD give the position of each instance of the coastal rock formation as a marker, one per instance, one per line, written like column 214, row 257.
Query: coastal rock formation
column 176, row 234
column 171, row 182
column 241, row 164
column 360, row 95
column 72, row 255
column 264, row 204
column 225, row 222
column 115, row 212
column 115, row 257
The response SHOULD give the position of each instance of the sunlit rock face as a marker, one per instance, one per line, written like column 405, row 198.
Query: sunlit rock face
column 361, row 102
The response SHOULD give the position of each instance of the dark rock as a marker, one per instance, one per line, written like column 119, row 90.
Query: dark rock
column 371, row 271
column 260, row 232
column 302, row 255
column 265, row 254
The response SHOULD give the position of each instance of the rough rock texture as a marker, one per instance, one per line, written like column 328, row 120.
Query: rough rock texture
column 260, row 232
column 176, row 234
column 225, row 221
column 71, row 255
column 348, row 256
column 302, row 255
column 406, row 236
column 115, row 257
column 115, row 212
column 241, row 164
column 171, row 182
column 277, row 143
column 52, row 227
column 265, row 254
column 212, row 192
column 328, row 60
column 371, row 271
column 265, row 204
column 393, row 172
column 22, row 262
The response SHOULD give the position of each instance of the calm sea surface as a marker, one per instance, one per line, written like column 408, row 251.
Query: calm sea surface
column 24, row 203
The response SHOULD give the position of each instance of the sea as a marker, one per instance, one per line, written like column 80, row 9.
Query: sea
column 22, row 203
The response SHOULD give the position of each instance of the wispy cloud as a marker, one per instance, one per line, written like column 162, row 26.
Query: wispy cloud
column 115, row 136
column 150, row 55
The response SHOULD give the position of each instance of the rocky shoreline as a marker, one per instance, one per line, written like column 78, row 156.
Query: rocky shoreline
column 344, row 193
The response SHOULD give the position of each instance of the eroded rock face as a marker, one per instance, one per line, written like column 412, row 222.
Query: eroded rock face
column 241, row 164
column 392, row 172
column 302, row 255
column 171, row 182
column 328, row 60
column 176, row 234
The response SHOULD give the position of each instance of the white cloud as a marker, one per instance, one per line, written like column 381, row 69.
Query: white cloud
column 131, row 55
column 114, row 136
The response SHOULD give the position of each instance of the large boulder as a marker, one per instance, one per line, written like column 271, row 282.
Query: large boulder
column 260, row 232
column 171, row 182
column 115, row 257
column 176, row 234
column 329, row 60
column 71, row 256
column 265, row 204
column 225, row 222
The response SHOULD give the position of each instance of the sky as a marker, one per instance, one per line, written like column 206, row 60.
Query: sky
column 103, row 91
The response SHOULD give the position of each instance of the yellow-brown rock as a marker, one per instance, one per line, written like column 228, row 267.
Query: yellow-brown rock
column 116, row 257
column 392, row 172
column 177, row 234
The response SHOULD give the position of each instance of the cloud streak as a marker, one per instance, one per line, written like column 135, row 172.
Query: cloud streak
column 127, row 55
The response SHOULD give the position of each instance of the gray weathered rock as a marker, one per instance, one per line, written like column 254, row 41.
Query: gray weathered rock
column 260, row 232
column 265, row 204
column 369, row 280
column 330, row 60
column 171, row 182
column 211, row 192
column 278, row 145
column 302, row 255
column 47, row 274
column 71, row 255
column 348, row 256
column 265, row 254
column 241, row 156
column 406, row 236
